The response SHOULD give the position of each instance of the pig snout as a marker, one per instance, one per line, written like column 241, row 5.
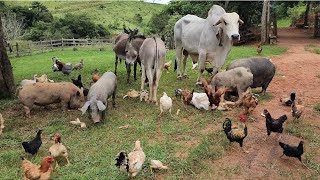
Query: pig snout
column 95, row 117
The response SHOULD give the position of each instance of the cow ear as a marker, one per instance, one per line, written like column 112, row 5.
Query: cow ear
column 220, row 21
column 101, row 106
column 85, row 107
column 240, row 21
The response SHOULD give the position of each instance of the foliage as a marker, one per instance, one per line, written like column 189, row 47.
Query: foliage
column 281, row 7
column 138, row 18
column 12, row 26
column 296, row 12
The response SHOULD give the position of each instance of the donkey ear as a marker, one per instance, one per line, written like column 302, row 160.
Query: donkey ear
column 101, row 106
column 85, row 107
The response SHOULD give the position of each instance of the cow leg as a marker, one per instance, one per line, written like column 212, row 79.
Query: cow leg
column 201, row 61
column 143, row 77
column 158, row 75
column 150, row 78
column 186, row 54
column 128, row 67
column 116, row 65
column 27, row 110
column 178, row 59
column 135, row 70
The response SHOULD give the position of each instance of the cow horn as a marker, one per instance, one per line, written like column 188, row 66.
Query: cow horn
column 240, row 21
column 220, row 21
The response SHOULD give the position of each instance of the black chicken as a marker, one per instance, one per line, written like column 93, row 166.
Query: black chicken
column 78, row 83
column 33, row 146
column 274, row 125
column 292, row 151
column 288, row 100
column 236, row 134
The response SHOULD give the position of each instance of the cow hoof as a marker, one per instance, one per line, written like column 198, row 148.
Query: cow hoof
column 199, row 84
column 185, row 76
column 179, row 77
column 97, row 122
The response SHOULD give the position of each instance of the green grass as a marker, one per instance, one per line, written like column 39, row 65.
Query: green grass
column 181, row 142
column 317, row 107
column 312, row 48
column 103, row 12
column 284, row 22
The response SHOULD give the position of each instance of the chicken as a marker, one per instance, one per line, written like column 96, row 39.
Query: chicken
column 79, row 84
column 292, row 151
column 95, row 76
column 259, row 49
column 214, row 97
column 296, row 110
column 58, row 150
column 274, row 125
column 249, row 102
column 79, row 66
column 33, row 146
column 237, row 134
column 78, row 122
column 178, row 93
column 42, row 79
column 156, row 164
column 42, row 172
column 67, row 68
column 167, row 66
column 131, row 163
column 132, row 93
column 1, row 123
column 288, row 100
column 165, row 103
column 144, row 95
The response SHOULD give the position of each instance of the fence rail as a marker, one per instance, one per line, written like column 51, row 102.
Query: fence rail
column 24, row 48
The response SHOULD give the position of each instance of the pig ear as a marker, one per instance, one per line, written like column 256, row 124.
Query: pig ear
column 101, row 106
column 85, row 107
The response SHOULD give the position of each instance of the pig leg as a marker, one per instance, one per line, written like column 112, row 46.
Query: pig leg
column 27, row 110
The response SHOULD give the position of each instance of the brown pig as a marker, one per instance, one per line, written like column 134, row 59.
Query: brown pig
column 42, row 94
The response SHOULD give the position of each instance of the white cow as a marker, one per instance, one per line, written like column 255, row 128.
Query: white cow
column 207, row 39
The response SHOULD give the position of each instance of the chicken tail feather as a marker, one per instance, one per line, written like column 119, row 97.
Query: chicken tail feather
column 283, row 118
column 122, row 161
column 282, row 144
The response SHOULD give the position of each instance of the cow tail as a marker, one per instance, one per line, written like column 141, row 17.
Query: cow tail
column 156, row 61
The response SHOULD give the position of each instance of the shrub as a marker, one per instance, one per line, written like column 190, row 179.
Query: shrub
column 296, row 12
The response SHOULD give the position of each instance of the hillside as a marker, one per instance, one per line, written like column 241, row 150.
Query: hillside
column 111, row 14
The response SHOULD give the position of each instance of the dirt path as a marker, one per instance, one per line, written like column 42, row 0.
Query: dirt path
column 296, row 71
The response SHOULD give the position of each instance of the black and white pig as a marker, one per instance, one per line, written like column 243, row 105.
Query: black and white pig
column 98, row 95
column 261, row 68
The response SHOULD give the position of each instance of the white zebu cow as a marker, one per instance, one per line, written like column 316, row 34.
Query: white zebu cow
column 208, row 39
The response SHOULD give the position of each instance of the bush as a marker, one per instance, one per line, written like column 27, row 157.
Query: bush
column 296, row 12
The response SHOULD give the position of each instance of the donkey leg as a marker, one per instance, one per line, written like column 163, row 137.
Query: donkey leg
column 158, row 75
column 116, row 65
column 143, row 76
column 150, row 78
column 135, row 70
column 128, row 66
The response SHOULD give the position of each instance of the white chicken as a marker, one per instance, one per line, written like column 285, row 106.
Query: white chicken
column 156, row 164
column 131, row 163
column 1, row 123
column 58, row 150
column 165, row 103
column 200, row 101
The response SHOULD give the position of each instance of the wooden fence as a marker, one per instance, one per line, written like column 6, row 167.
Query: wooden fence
column 24, row 48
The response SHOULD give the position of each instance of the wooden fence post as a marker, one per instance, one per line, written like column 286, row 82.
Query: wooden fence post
column 30, row 50
column 17, row 48
column 62, row 43
column 51, row 45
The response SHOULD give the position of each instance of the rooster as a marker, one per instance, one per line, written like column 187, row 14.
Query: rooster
column 259, row 49
column 288, row 100
column 236, row 134
column 42, row 172
column 165, row 103
column 292, row 151
column 33, row 146
column 79, row 84
column 132, row 162
column 249, row 102
column 274, row 125
column 296, row 110
column 58, row 150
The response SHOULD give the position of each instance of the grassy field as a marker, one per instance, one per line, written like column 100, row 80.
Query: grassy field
column 181, row 142
column 103, row 12
column 284, row 22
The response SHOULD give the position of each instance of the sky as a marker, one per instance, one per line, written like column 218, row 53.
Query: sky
column 158, row 1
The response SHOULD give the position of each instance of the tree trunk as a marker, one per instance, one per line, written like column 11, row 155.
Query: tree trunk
column 264, row 23
column 7, row 86
column 306, row 14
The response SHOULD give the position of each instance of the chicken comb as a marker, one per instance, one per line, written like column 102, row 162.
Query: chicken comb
column 243, row 117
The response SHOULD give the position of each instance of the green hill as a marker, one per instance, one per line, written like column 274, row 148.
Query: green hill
column 111, row 14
